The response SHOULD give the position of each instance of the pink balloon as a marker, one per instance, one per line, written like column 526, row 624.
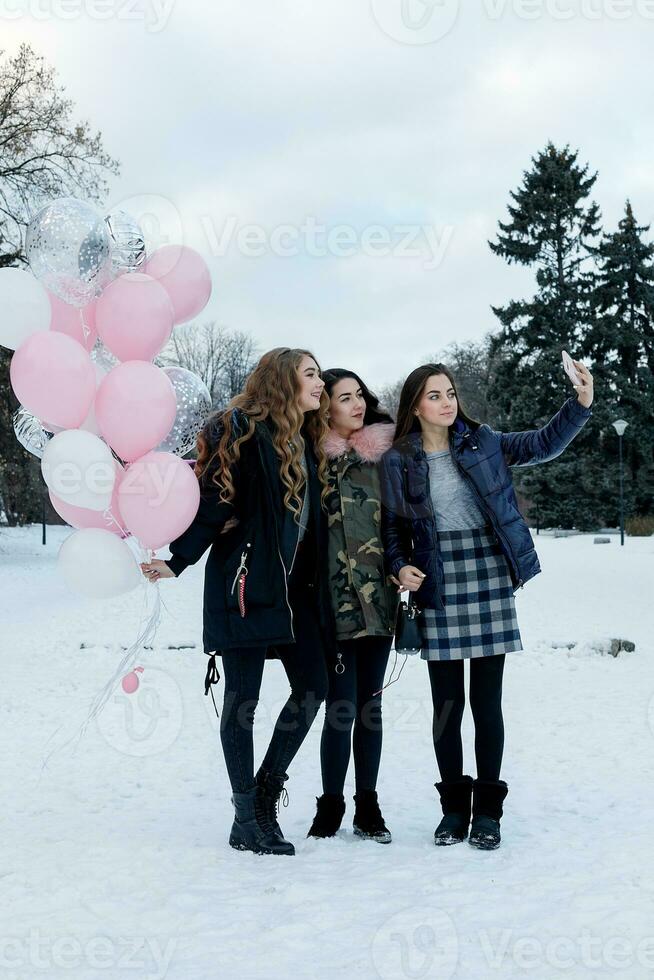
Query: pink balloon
column 135, row 407
column 159, row 497
column 130, row 683
column 53, row 377
column 134, row 317
column 73, row 321
column 110, row 520
column 184, row 275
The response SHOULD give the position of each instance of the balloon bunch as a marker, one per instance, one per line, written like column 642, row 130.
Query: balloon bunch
column 109, row 426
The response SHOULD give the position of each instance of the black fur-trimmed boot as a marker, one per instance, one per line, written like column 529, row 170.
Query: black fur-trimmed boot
column 252, row 829
column 487, row 798
column 329, row 815
column 368, row 821
column 273, row 789
column 456, row 801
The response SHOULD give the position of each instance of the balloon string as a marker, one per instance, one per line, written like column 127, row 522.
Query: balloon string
column 110, row 519
column 128, row 662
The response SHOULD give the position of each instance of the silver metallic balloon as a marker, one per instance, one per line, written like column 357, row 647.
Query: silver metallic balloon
column 30, row 433
column 193, row 410
column 127, row 242
column 68, row 247
column 103, row 357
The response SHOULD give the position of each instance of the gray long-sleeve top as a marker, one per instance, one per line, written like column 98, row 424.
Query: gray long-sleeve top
column 455, row 505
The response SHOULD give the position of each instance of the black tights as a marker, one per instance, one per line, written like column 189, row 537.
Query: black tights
column 448, row 696
column 352, row 701
column 304, row 663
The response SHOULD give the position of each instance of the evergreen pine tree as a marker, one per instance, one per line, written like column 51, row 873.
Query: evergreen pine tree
column 552, row 227
column 621, row 345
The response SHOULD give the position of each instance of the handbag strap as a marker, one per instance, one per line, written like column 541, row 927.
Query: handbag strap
column 411, row 604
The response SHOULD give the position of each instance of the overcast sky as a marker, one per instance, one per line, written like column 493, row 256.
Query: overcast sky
column 374, row 142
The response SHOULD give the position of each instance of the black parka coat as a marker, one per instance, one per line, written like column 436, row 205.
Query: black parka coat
column 266, row 537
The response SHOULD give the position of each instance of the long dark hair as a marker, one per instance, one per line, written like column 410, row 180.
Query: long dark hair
column 412, row 390
column 374, row 412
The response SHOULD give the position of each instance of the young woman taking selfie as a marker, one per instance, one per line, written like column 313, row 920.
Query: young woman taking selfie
column 263, row 486
column 454, row 538
column 364, row 605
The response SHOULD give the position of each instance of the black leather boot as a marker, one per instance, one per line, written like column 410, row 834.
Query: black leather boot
column 456, row 796
column 487, row 798
column 272, row 786
column 252, row 829
column 368, row 821
column 329, row 815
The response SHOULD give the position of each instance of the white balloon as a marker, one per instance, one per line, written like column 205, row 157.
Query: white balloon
column 25, row 307
column 78, row 467
column 97, row 564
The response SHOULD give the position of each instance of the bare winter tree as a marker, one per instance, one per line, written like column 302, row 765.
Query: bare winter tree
column 223, row 358
column 241, row 355
column 470, row 363
column 389, row 397
column 44, row 153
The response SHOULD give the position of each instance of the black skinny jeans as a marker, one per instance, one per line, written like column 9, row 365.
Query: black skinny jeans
column 304, row 663
column 448, row 696
column 352, row 702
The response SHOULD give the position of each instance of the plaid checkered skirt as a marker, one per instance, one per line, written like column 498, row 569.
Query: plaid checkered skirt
column 479, row 619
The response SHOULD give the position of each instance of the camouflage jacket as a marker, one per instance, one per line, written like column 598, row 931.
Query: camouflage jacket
column 364, row 600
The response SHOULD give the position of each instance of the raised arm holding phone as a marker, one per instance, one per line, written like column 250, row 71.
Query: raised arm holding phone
column 454, row 537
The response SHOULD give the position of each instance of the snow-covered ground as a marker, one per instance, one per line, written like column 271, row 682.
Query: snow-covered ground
column 115, row 861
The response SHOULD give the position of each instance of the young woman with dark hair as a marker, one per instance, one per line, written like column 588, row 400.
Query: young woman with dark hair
column 263, row 479
column 364, row 604
column 455, row 538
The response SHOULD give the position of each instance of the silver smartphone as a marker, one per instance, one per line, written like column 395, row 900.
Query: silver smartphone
column 570, row 369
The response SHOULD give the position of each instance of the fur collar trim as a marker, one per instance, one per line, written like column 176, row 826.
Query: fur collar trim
column 370, row 442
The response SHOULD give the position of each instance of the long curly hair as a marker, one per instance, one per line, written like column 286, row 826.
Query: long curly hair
column 270, row 394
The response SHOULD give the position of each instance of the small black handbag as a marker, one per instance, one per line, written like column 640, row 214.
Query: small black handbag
column 408, row 633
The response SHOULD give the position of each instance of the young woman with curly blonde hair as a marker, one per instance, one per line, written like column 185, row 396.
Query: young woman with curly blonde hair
column 262, row 472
